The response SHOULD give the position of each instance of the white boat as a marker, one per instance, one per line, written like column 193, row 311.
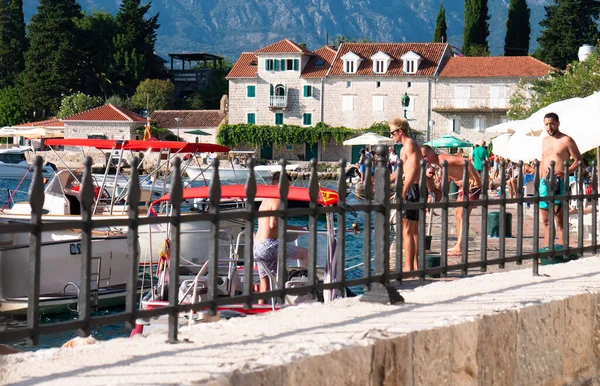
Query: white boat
column 14, row 165
column 236, row 172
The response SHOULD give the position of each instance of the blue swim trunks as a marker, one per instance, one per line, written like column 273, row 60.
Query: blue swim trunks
column 559, row 190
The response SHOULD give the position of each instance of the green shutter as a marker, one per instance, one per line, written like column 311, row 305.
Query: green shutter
column 276, row 62
column 279, row 119
column 251, row 91
column 305, row 91
column 282, row 64
column 252, row 118
column 285, row 90
column 271, row 89
column 296, row 64
column 267, row 64
column 307, row 119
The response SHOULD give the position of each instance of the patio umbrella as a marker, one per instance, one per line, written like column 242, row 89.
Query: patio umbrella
column 197, row 132
column 449, row 141
column 369, row 139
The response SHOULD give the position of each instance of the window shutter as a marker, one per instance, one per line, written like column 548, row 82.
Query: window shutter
column 251, row 91
column 276, row 65
column 267, row 64
column 296, row 64
column 251, row 118
column 279, row 119
column 271, row 89
column 285, row 90
column 282, row 65
column 307, row 119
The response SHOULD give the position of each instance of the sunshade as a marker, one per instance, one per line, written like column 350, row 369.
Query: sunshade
column 577, row 117
column 449, row 141
column 139, row 145
column 369, row 139
column 326, row 196
column 38, row 132
column 197, row 132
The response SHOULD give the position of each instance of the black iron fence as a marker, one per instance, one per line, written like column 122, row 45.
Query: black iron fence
column 380, row 281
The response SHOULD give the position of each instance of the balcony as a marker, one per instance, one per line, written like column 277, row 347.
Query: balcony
column 278, row 102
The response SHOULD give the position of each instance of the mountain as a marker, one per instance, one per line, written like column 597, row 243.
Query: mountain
column 230, row 27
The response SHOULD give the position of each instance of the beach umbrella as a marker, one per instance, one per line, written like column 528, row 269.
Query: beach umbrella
column 197, row 132
column 369, row 139
column 449, row 141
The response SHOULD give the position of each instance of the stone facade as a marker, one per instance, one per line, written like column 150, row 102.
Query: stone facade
column 111, row 130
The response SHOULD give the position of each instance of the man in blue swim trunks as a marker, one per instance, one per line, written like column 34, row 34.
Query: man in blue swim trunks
column 557, row 147
column 266, row 242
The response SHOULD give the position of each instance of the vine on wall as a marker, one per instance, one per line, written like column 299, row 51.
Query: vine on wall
column 250, row 134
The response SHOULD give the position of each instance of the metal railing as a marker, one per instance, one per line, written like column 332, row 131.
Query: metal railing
column 277, row 101
column 377, row 276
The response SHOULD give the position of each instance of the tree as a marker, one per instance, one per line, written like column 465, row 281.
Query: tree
column 516, row 42
column 11, row 107
column 476, row 28
column 77, row 103
column 154, row 94
column 13, row 42
column 134, row 44
column 51, row 62
column 568, row 25
column 98, row 75
column 440, row 35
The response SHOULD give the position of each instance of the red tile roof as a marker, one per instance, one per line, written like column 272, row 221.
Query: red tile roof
column 108, row 112
column 244, row 68
column 190, row 119
column 494, row 66
column 431, row 54
column 52, row 122
column 285, row 46
column 325, row 54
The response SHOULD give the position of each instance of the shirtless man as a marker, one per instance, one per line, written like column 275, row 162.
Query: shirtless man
column 266, row 242
column 557, row 147
column 455, row 173
column 411, row 161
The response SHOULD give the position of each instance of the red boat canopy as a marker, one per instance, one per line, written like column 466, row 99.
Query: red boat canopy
column 139, row 145
column 326, row 196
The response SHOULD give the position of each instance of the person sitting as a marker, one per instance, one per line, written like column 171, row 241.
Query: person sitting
column 266, row 242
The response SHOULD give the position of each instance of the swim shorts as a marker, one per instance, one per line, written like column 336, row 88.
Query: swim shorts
column 266, row 252
column 412, row 195
column 474, row 193
column 559, row 190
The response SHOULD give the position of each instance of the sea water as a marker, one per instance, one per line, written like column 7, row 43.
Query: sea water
column 16, row 191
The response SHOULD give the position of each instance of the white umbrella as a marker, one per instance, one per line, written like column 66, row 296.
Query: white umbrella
column 369, row 139
column 38, row 132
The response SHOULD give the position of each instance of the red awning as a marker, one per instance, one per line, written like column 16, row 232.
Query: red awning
column 139, row 145
column 326, row 196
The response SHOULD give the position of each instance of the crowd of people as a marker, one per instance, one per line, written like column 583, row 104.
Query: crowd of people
column 557, row 147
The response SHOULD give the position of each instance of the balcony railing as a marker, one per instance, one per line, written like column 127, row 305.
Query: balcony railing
column 278, row 102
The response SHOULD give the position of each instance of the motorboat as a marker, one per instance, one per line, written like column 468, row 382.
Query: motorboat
column 14, row 165
column 193, row 289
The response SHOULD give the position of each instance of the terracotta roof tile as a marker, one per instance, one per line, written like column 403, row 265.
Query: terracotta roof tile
column 190, row 119
column 285, row 46
column 431, row 53
column 245, row 67
column 324, row 54
column 108, row 112
column 52, row 122
column 494, row 66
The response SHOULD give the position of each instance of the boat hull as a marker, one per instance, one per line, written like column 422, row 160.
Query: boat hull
column 225, row 174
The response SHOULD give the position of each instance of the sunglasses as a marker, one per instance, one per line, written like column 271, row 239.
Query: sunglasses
column 394, row 132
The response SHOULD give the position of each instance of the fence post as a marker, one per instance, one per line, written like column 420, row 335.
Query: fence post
column 175, row 236
column 313, row 192
column 340, row 250
column 249, row 234
column 133, row 246
column 36, row 202
column 87, row 201
column 382, row 292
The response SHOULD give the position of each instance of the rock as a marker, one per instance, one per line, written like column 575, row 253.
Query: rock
column 76, row 342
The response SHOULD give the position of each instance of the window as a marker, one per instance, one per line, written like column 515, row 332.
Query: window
column 308, row 91
column 379, row 67
column 454, row 125
column 348, row 84
column 378, row 102
column 251, row 118
column 279, row 118
column 462, row 94
column 347, row 102
column 408, row 84
column 378, row 84
column 251, row 91
column 319, row 63
column 497, row 96
column 269, row 66
column 349, row 68
column 307, row 119
column 289, row 147
column 479, row 124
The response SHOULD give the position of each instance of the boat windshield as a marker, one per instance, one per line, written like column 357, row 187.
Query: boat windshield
column 12, row 158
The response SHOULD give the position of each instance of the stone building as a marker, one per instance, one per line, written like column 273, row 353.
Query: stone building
column 363, row 83
column 106, row 122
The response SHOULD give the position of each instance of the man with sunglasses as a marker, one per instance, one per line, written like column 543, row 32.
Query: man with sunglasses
column 411, row 157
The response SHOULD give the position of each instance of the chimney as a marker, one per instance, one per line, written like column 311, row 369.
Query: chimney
column 585, row 51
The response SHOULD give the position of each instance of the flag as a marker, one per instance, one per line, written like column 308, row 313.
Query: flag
column 147, row 134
